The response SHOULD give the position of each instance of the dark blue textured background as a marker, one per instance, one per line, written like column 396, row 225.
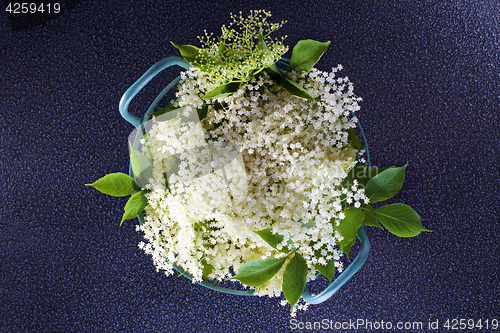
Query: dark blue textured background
column 429, row 74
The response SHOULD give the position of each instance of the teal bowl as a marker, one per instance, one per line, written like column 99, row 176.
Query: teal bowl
column 136, row 121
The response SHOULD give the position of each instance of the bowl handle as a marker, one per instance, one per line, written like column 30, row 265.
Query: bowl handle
column 143, row 80
column 345, row 275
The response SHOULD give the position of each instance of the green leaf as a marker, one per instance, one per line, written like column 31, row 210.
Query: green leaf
column 327, row 270
column 261, row 44
column 196, row 57
column 207, row 270
column 202, row 114
column 220, row 91
column 272, row 239
column 386, row 184
column 354, row 139
column 295, row 90
column 348, row 228
column 357, row 172
column 141, row 166
column 274, row 71
column 223, row 49
column 295, row 279
column 116, row 185
column 134, row 206
column 370, row 220
column 188, row 52
column 370, row 173
column 306, row 54
column 361, row 174
column 400, row 219
column 257, row 272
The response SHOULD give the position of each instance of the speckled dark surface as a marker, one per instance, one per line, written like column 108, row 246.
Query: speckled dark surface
column 429, row 74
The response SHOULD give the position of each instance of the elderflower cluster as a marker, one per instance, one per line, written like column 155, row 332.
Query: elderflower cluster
column 240, row 52
column 261, row 159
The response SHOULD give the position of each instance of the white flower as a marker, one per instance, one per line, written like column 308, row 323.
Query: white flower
column 265, row 160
